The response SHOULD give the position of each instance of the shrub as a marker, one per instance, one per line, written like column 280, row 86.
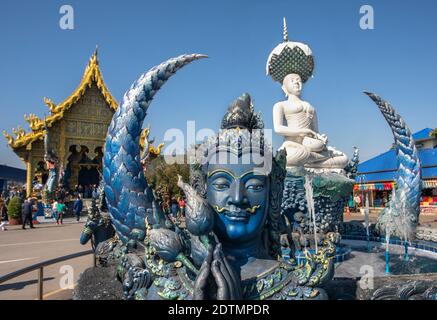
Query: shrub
column 14, row 208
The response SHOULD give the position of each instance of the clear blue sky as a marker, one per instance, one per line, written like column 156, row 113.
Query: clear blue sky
column 396, row 60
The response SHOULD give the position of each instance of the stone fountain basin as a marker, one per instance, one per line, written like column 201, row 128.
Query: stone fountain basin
column 422, row 259
column 407, row 279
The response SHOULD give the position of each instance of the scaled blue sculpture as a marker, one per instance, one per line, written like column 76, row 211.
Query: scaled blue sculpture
column 128, row 196
column 401, row 216
column 230, row 248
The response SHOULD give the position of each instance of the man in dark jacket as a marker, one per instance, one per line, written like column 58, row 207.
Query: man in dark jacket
column 26, row 213
column 77, row 207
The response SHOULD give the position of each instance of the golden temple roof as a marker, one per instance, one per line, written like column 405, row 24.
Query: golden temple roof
column 91, row 75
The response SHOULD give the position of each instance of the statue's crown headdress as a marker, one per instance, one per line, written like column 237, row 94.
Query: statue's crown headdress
column 241, row 114
column 242, row 130
column 290, row 57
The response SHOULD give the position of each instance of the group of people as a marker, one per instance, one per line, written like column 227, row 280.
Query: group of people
column 6, row 195
column 176, row 209
column 358, row 201
column 172, row 206
column 59, row 208
column 13, row 191
column 87, row 191
column 32, row 207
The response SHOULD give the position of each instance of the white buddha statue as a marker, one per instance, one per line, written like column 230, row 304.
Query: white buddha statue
column 291, row 64
column 304, row 144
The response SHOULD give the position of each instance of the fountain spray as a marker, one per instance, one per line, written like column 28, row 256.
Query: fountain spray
column 388, row 230
column 310, row 204
column 405, row 225
column 366, row 221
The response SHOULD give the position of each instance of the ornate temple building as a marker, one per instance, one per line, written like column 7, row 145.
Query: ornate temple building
column 77, row 128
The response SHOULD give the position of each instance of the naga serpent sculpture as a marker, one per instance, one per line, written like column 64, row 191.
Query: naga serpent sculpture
column 193, row 263
column 128, row 196
column 401, row 215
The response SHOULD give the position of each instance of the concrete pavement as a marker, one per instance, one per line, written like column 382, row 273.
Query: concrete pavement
column 20, row 248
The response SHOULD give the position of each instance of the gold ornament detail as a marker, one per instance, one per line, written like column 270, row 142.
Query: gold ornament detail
column 153, row 152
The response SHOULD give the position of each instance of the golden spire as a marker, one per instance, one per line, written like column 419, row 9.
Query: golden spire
column 96, row 51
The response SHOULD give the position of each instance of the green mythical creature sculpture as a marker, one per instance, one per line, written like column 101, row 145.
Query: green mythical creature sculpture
column 230, row 247
column 98, row 227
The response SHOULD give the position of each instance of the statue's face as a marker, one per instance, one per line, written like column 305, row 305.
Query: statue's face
column 292, row 84
column 238, row 193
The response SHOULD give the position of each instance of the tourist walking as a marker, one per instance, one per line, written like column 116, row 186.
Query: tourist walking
column 55, row 210
column 3, row 216
column 182, row 205
column 357, row 200
column 4, row 211
column 61, row 208
column 26, row 213
column 351, row 204
column 86, row 192
column 77, row 207
column 95, row 193
column 80, row 190
column 174, row 208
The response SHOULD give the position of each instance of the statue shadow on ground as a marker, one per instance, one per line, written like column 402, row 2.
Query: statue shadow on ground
column 21, row 285
column 341, row 288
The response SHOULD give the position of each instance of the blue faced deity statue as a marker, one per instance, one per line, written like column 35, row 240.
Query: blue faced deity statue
column 236, row 170
column 229, row 246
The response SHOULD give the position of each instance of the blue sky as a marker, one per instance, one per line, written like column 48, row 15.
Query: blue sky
column 396, row 60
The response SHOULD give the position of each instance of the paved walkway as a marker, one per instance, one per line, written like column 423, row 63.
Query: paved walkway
column 20, row 248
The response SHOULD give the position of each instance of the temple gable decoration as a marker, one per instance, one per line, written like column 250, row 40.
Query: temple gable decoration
column 80, row 122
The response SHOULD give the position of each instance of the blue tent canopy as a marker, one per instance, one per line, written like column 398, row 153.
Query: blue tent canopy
column 384, row 166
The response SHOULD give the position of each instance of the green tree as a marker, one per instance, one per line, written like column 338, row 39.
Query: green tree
column 161, row 175
column 14, row 208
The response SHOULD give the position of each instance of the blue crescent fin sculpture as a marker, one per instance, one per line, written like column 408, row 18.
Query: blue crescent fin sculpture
column 401, row 215
column 128, row 196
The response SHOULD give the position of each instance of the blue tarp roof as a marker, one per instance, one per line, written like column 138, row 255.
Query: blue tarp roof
column 12, row 174
column 422, row 134
column 384, row 166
